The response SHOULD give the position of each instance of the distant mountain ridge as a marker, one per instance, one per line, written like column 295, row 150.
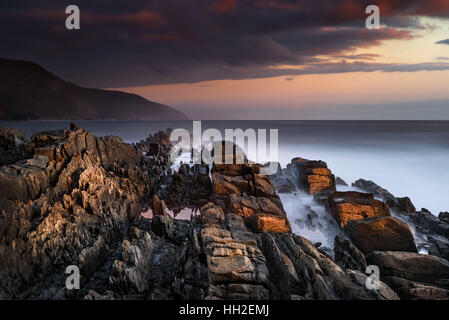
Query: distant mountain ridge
column 29, row 92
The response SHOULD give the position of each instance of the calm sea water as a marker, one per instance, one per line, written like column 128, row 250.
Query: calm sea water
column 409, row 158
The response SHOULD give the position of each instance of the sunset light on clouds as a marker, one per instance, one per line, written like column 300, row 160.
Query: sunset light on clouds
column 227, row 58
column 314, row 96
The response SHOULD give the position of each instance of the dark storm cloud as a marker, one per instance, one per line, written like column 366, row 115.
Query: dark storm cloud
column 137, row 42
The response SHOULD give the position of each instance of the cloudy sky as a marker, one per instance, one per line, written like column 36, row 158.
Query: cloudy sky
column 247, row 59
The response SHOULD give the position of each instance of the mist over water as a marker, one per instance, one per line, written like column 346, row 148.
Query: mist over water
column 408, row 158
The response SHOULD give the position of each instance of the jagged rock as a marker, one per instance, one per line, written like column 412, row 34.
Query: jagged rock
column 348, row 256
column 340, row 182
column 313, row 176
column 346, row 206
column 444, row 216
column 381, row 234
column 239, row 247
column 400, row 204
column 70, row 209
column 225, row 185
column 427, row 223
column 162, row 222
column 405, row 205
column 283, row 184
column 413, row 275
column 298, row 269
column 189, row 187
column 131, row 272
column 372, row 187
column 245, row 206
column 13, row 146
column 438, row 247
column 156, row 142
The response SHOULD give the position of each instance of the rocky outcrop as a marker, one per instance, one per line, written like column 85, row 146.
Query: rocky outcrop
column 340, row 182
column 283, row 184
column 313, row 176
column 67, row 206
column 239, row 188
column 369, row 224
column 444, row 216
column 432, row 233
column 400, row 204
column 412, row 275
column 189, row 187
column 13, row 146
column 381, row 234
column 346, row 206
column 154, row 144
column 78, row 201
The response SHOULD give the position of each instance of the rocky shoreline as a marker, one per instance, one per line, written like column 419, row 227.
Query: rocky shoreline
column 70, row 198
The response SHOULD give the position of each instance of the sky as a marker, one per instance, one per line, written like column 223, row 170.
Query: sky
column 247, row 59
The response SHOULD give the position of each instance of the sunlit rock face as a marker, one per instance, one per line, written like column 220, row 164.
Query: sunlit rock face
column 381, row 234
column 346, row 206
column 68, row 205
column 314, row 176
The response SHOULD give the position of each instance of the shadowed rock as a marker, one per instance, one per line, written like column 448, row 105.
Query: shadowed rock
column 413, row 275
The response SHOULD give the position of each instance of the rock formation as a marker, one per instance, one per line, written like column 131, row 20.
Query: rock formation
column 381, row 234
column 412, row 275
column 313, row 176
column 76, row 199
column 346, row 206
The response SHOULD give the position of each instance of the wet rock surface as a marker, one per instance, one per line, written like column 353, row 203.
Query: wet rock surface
column 77, row 200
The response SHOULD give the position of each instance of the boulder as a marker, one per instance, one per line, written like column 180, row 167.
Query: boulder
column 380, row 234
column 313, row 176
column 269, row 223
column 412, row 290
column 346, row 206
column 427, row 270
